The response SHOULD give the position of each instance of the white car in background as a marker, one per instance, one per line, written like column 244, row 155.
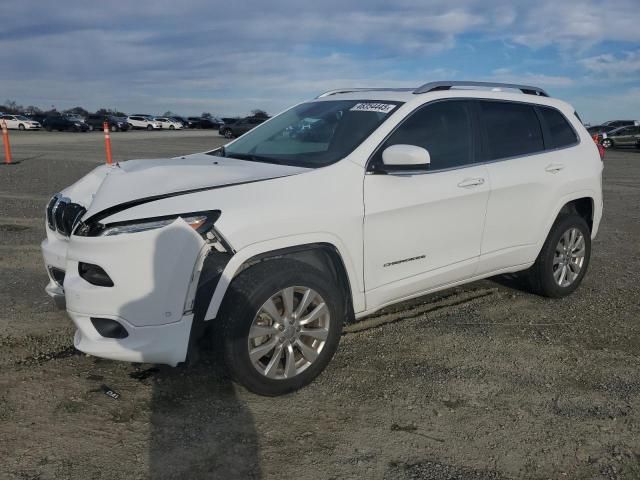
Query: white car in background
column 19, row 122
column 169, row 123
column 139, row 122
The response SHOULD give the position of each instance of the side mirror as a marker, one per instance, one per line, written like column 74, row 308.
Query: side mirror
column 405, row 157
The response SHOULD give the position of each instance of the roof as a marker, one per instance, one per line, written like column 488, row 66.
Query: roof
column 448, row 89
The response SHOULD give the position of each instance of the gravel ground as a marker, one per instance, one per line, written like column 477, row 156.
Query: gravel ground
column 480, row 382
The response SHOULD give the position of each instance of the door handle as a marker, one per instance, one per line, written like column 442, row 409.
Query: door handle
column 554, row 167
column 471, row 182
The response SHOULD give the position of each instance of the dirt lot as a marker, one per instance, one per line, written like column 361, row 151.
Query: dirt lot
column 481, row 382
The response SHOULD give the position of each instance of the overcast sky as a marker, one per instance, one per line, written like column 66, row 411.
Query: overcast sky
column 230, row 57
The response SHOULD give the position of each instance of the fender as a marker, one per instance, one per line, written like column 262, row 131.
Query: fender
column 242, row 256
column 597, row 213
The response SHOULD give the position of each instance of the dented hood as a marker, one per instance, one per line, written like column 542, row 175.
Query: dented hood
column 108, row 186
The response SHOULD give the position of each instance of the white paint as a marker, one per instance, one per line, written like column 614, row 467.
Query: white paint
column 399, row 236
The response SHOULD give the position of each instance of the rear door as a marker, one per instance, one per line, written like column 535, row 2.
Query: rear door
column 526, row 178
column 423, row 229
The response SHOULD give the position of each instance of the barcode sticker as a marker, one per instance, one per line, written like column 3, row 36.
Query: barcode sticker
column 373, row 107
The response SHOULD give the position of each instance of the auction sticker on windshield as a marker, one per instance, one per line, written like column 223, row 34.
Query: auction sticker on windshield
column 373, row 107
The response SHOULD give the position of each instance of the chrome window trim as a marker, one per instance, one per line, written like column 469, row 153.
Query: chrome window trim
column 368, row 170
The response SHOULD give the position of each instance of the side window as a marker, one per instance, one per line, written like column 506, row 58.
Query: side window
column 560, row 131
column 512, row 129
column 443, row 128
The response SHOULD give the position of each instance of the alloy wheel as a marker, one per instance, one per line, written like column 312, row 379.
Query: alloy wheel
column 288, row 332
column 569, row 257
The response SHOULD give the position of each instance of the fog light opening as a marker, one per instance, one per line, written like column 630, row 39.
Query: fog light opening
column 109, row 328
column 94, row 274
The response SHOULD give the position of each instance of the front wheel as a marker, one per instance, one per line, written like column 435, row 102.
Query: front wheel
column 281, row 324
column 228, row 133
column 607, row 143
column 149, row 127
column 564, row 258
column 171, row 127
column 21, row 127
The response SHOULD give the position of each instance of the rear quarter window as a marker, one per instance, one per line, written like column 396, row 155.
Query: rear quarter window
column 560, row 131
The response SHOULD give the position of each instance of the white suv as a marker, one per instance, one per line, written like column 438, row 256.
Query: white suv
column 138, row 122
column 337, row 207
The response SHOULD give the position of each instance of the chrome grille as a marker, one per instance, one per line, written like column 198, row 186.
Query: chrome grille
column 63, row 215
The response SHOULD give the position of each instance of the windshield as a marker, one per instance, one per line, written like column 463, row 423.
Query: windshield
column 21, row 117
column 312, row 134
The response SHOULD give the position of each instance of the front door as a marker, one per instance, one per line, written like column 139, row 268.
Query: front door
column 424, row 229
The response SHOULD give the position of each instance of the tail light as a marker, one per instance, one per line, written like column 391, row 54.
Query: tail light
column 601, row 150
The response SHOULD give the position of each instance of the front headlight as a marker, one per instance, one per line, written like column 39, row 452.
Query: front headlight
column 194, row 222
column 201, row 222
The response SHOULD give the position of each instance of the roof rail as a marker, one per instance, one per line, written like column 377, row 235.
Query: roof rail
column 435, row 86
column 337, row 91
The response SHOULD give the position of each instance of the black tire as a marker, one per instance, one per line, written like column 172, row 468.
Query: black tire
column 228, row 133
column 246, row 295
column 91, row 128
column 21, row 127
column 607, row 143
column 540, row 275
column 114, row 128
column 48, row 128
column 149, row 127
column 171, row 127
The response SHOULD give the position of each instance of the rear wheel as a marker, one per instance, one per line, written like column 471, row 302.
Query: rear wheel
column 21, row 127
column 281, row 324
column 564, row 258
column 114, row 128
column 607, row 143
column 228, row 133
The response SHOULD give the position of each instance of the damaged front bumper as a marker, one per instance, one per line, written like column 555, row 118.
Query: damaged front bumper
column 154, row 276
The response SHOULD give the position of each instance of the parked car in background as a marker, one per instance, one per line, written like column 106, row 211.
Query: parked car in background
column 143, row 122
column 201, row 122
column 628, row 136
column 37, row 117
column 169, row 123
column 225, row 122
column 600, row 129
column 116, row 124
column 19, row 122
column 241, row 127
column 620, row 123
column 74, row 117
column 185, row 123
column 63, row 123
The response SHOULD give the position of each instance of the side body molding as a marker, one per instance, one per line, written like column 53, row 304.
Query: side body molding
column 258, row 249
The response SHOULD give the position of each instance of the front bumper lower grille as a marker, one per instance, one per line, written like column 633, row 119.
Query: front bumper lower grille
column 63, row 215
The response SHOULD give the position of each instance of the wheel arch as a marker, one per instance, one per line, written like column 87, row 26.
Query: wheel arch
column 582, row 203
column 321, row 254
